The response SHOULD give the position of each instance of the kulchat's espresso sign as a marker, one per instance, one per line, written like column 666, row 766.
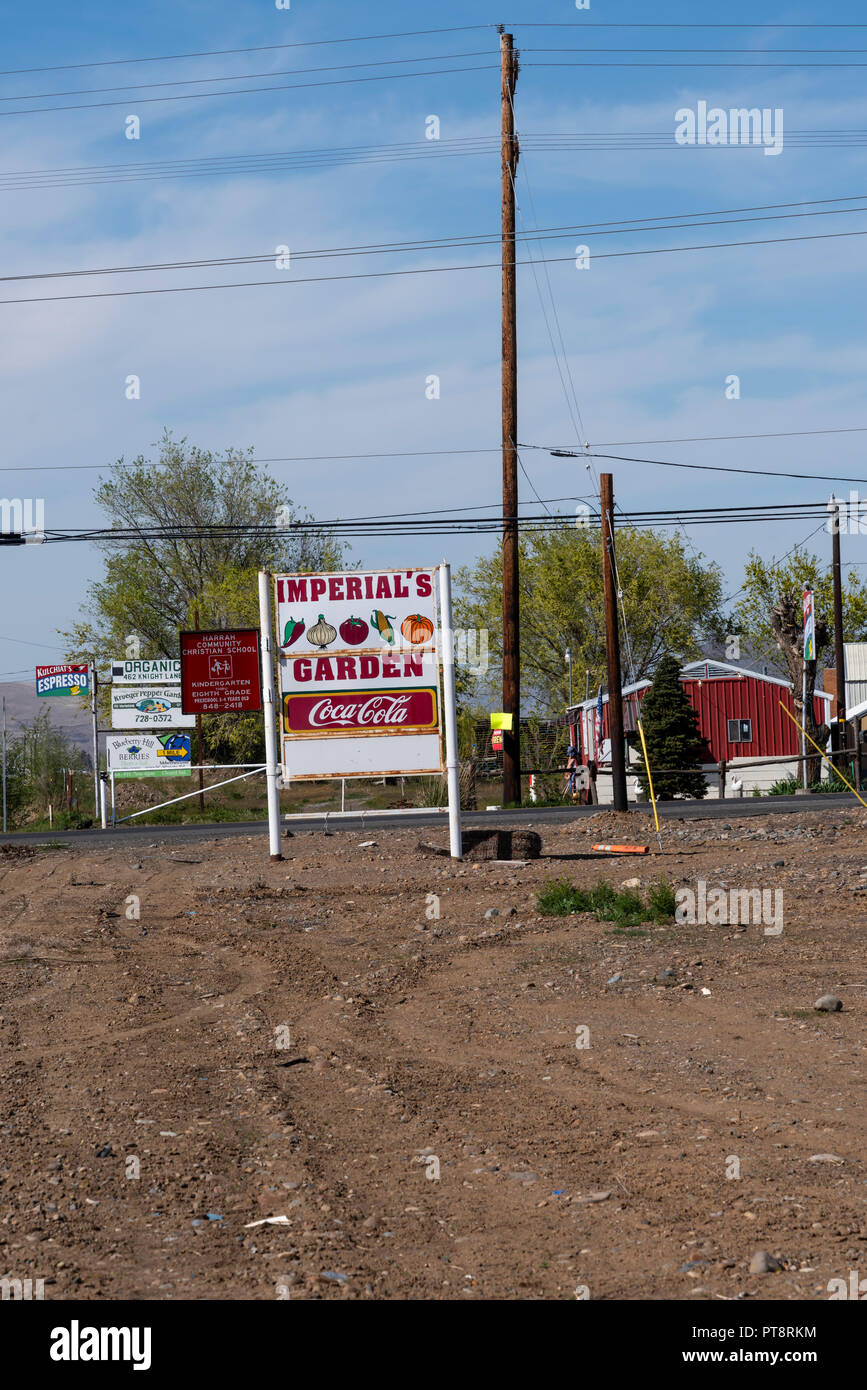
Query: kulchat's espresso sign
column 359, row 673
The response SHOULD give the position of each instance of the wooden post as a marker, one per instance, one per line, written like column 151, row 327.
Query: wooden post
column 511, row 648
column 721, row 771
column 612, row 643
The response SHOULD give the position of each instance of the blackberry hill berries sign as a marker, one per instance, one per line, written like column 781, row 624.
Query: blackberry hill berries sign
column 359, row 673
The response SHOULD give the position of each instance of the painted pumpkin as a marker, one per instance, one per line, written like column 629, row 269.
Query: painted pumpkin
column 417, row 629
column 322, row 634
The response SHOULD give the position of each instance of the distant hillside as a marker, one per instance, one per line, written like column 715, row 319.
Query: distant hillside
column 23, row 705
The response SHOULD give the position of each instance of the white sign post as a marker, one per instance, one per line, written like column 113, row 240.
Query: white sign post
column 451, row 712
column 272, row 771
column 809, row 614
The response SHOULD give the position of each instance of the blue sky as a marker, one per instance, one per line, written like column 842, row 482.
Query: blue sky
column 334, row 368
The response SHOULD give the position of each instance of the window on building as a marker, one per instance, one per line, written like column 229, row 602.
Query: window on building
column 740, row 730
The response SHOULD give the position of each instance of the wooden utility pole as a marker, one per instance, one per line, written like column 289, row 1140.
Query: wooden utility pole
column 612, row 645
column 511, row 648
column 199, row 757
column 841, row 740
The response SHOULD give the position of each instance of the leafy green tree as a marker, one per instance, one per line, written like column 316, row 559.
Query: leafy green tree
column 671, row 600
column 672, row 736
column 36, row 763
column 151, row 588
column 769, row 617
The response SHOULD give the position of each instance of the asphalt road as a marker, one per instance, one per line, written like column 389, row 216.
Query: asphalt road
column 728, row 809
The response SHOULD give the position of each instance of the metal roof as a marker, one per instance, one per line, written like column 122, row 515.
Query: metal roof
column 707, row 669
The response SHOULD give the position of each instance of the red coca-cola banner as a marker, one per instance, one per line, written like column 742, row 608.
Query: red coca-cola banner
column 361, row 711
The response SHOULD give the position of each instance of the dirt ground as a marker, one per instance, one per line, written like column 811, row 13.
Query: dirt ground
column 308, row 1041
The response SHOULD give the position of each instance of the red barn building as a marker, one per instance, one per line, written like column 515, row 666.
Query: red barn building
column 739, row 717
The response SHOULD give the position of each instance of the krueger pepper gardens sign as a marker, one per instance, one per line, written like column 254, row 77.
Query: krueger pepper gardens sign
column 359, row 673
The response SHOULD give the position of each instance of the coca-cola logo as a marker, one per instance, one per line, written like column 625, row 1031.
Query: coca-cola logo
column 379, row 709
column 374, row 711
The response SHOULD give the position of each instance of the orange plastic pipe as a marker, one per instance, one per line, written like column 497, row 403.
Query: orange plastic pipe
column 621, row 849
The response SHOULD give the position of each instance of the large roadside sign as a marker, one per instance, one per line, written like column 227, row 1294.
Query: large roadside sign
column 359, row 673
column 162, row 669
column 220, row 671
column 148, row 755
column 148, row 707
column 62, row 680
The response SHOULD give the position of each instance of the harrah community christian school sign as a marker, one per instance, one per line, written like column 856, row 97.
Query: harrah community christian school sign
column 62, row 680
column 220, row 671
column 359, row 673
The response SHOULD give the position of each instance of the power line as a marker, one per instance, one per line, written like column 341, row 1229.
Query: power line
column 248, row 91
column 755, row 52
column 596, row 24
column 775, row 561
column 572, row 404
column 297, row 458
column 427, row 270
column 557, row 450
column 22, row 642
column 243, row 76
column 274, row 163
column 692, row 65
column 609, row 228
column 81, row 175
column 259, row 48
column 700, row 467
column 431, row 527
column 718, row 438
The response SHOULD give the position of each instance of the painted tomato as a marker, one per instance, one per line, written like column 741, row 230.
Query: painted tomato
column 353, row 631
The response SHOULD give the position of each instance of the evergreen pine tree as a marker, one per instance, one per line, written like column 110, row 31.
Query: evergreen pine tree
column 672, row 735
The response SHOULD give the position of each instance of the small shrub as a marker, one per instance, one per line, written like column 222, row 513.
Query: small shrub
column 786, row 786
column 626, row 908
column 661, row 902
column 559, row 897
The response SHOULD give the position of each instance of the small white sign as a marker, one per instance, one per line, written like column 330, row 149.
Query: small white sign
column 162, row 669
column 148, row 707
column 148, row 752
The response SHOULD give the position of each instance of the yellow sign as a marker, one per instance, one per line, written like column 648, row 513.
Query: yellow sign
column 502, row 721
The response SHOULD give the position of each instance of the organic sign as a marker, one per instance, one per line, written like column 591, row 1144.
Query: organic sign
column 148, row 707
column 62, row 680
column 359, row 673
column 161, row 669
column 145, row 754
column 220, row 671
